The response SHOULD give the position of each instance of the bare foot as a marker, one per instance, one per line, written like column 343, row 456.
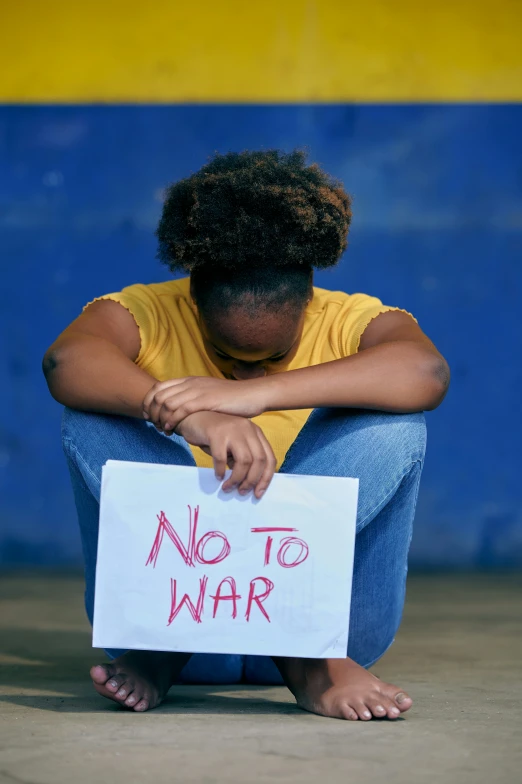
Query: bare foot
column 341, row 689
column 138, row 680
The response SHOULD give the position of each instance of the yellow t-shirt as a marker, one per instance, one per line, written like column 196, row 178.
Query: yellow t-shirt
column 172, row 346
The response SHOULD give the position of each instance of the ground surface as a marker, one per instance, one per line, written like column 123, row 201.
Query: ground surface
column 458, row 654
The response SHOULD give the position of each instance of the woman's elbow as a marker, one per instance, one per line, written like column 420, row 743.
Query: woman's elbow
column 437, row 377
column 51, row 364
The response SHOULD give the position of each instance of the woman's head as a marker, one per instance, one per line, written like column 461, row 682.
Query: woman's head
column 249, row 228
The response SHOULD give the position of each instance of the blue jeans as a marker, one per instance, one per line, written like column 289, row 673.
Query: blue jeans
column 386, row 453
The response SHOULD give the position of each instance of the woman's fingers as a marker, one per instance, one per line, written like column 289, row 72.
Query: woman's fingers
column 167, row 415
column 257, row 467
column 254, row 466
column 270, row 466
column 171, row 406
column 170, row 402
column 177, row 407
column 218, row 451
column 242, row 462
column 157, row 392
column 235, row 442
column 163, row 414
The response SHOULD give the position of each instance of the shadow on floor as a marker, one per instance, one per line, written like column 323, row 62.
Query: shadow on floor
column 208, row 700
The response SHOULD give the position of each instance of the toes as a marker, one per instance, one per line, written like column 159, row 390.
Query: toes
column 113, row 684
column 347, row 712
column 101, row 673
column 132, row 699
column 393, row 712
column 142, row 705
column 377, row 709
column 105, row 681
column 363, row 712
column 404, row 702
column 125, row 688
column 383, row 707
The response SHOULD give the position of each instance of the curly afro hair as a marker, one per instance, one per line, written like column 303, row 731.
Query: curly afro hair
column 265, row 208
column 251, row 219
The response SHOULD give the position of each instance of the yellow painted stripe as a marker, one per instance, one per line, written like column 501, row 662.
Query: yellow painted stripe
column 270, row 51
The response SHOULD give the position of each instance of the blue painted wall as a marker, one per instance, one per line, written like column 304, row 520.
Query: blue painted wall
column 437, row 229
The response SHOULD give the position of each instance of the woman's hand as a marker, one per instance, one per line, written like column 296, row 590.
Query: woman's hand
column 168, row 403
column 236, row 442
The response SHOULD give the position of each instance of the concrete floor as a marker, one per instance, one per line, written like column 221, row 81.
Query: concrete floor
column 458, row 654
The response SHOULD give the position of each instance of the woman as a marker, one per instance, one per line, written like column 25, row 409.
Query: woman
column 246, row 364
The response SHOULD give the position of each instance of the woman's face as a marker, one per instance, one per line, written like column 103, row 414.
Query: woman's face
column 245, row 345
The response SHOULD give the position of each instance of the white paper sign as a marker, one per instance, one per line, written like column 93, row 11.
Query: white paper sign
column 183, row 566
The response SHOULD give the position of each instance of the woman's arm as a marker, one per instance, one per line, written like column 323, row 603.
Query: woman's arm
column 91, row 365
column 397, row 369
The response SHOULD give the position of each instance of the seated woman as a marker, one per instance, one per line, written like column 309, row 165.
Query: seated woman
column 245, row 364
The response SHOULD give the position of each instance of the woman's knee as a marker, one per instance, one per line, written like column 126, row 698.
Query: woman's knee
column 401, row 436
column 101, row 437
column 82, row 425
column 357, row 443
column 389, row 464
column 86, row 443
column 350, row 442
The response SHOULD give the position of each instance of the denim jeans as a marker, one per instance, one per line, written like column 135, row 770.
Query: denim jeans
column 385, row 451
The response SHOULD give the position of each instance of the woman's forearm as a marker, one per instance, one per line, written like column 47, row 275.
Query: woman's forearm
column 400, row 376
column 90, row 373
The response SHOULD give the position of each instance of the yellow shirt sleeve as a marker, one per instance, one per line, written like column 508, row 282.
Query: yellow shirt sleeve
column 353, row 318
column 143, row 304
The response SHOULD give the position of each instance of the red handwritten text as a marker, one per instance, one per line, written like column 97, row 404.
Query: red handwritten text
column 233, row 596
column 284, row 546
column 193, row 553
column 259, row 598
column 292, row 552
column 195, row 611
